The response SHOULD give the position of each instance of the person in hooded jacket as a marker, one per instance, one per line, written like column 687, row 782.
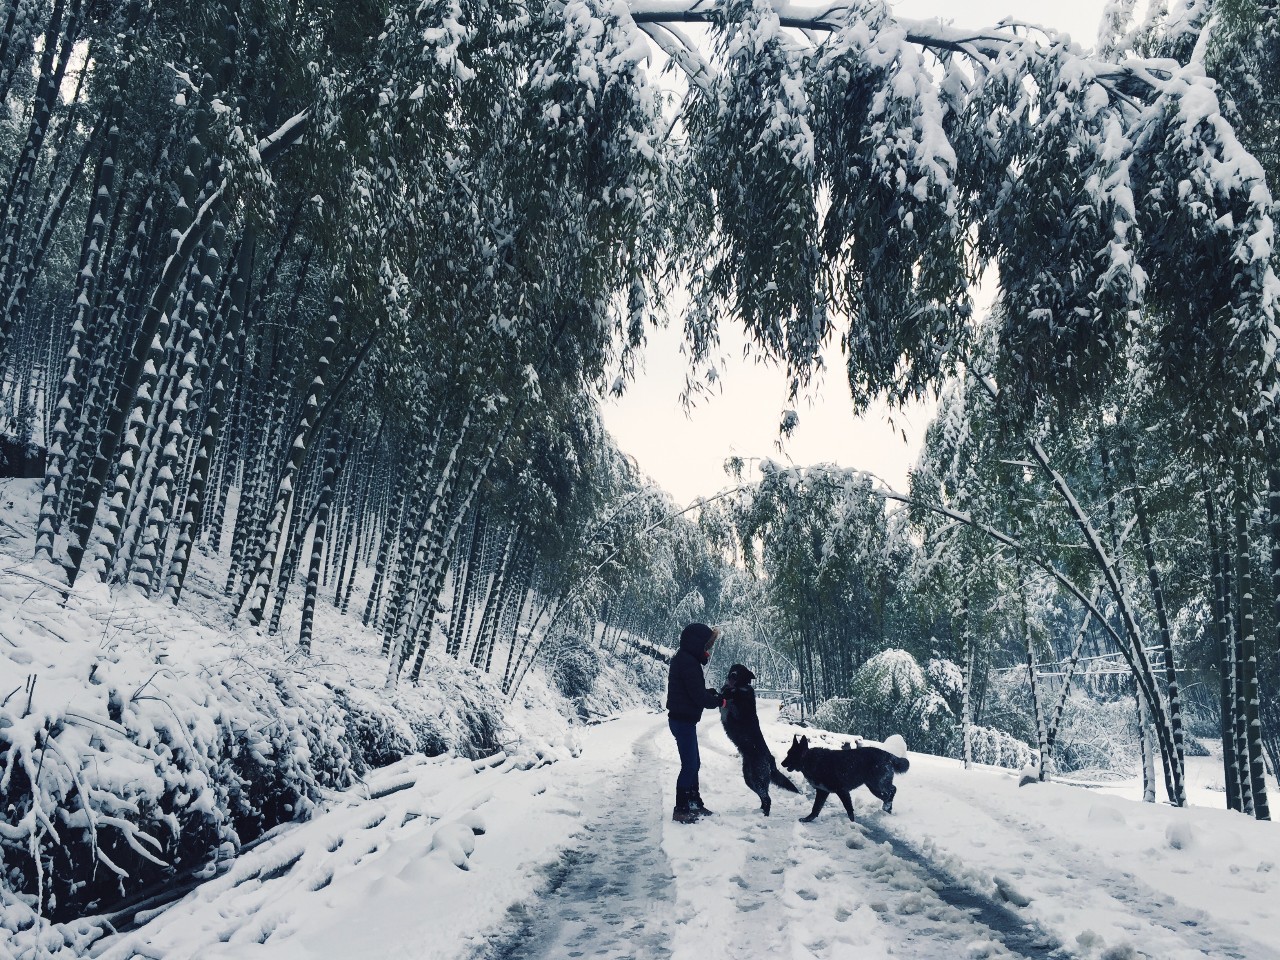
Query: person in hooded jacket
column 687, row 697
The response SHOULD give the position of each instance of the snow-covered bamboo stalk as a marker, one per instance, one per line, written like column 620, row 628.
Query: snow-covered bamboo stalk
column 291, row 548
column 1037, row 713
column 1240, row 692
column 340, row 512
column 466, row 577
column 1145, row 747
column 358, row 511
column 1247, row 640
column 441, row 552
column 420, row 592
column 1115, row 581
column 133, row 396
column 172, row 437
column 401, row 494
column 299, row 527
column 1225, row 642
column 1273, row 484
column 122, row 525
column 51, row 207
column 1069, row 670
column 75, row 375
column 486, row 634
column 217, row 349
column 1132, row 645
column 108, row 331
column 325, row 499
column 145, row 494
column 1162, row 618
column 350, row 513
column 165, row 499
column 128, row 385
column 1122, row 643
column 401, row 577
column 509, row 607
column 60, row 38
column 198, row 485
column 966, row 706
column 255, row 598
column 525, row 607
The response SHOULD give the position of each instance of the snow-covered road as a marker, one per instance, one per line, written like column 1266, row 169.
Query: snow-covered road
column 612, row 895
column 566, row 856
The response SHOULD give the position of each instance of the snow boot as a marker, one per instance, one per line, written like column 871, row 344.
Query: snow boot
column 683, row 812
column 697, row 806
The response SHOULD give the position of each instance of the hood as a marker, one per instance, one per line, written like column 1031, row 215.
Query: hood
column 695, row 637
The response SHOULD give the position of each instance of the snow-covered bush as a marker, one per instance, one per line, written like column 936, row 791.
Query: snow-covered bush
column 117, row 773
column 375, row 734
column 997, row 748
column 481, row 730
column 839, row 715
column 135, row 778
column 1097, row 734
column 1194, row 747
column 946, row 677
column 575, row 667
column 891, row 694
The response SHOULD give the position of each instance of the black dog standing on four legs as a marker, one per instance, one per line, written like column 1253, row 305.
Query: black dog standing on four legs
column 687, row 697
column 742, row 725
column 842, row 771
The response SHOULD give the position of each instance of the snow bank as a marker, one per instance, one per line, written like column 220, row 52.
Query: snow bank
column 143, row 746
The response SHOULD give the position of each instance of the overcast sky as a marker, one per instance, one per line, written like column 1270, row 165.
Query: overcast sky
column 685, row 454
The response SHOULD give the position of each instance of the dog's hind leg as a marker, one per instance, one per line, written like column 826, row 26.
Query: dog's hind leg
column 760, row 787
column 818, row 801
column 884, row 790
column 755, row 772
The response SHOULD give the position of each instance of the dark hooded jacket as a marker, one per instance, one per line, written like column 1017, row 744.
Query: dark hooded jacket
column 687, row 693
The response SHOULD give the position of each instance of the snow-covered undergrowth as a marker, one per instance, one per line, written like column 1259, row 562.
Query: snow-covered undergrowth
column 515, row 857
column 143, row 744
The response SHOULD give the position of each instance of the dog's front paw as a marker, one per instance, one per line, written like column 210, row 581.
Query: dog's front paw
column 808, row 819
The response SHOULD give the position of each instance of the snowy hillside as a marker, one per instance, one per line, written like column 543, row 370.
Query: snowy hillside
column 164, row 740
column 578, row 857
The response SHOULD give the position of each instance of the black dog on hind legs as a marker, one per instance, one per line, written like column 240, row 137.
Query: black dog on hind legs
column 842, row 771
column 742, row 725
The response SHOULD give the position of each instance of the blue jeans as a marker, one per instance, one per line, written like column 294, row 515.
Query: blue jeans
column 686, row 734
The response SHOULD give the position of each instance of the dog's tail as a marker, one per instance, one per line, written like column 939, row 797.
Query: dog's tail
column 779, row 779
column 900, row 764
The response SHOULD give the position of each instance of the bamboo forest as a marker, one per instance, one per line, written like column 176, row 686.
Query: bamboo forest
column 323, row 577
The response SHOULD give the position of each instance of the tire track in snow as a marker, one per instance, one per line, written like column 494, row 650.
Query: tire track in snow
column 980, row 914
column 920, row 912
column 1192, row 932
column 611, row 897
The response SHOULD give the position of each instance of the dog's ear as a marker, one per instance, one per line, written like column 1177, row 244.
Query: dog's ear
column 804, row 741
